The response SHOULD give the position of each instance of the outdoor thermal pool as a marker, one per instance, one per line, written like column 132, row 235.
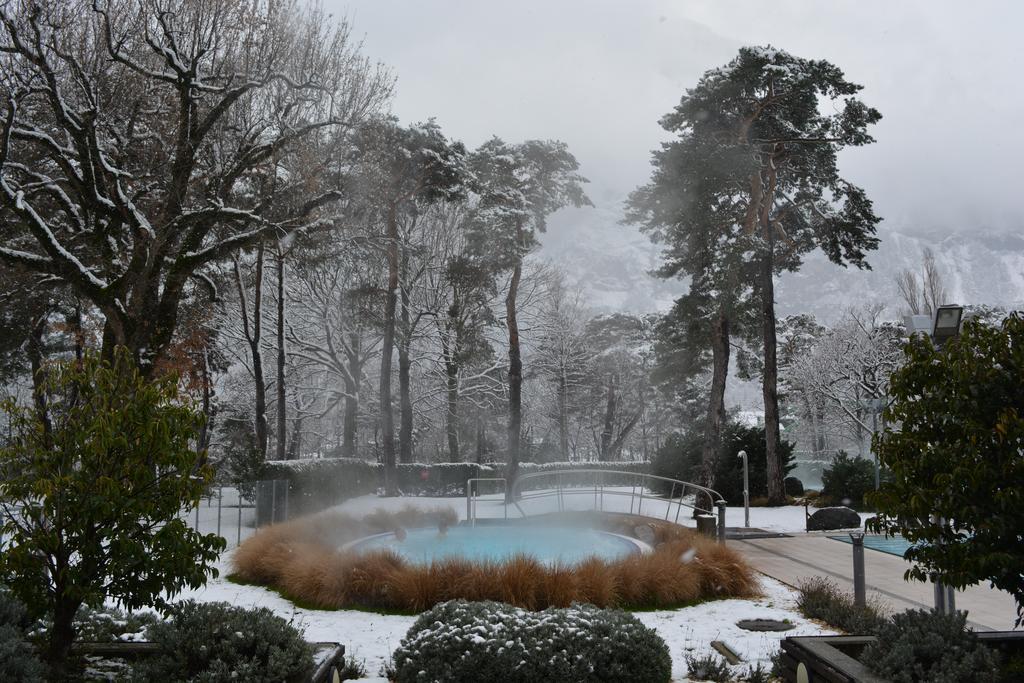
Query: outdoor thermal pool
column 548, row 544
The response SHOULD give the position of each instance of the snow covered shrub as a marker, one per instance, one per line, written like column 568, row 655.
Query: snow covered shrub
column 820, row 598
column 106, row 624
column 467, row 642
column 213, row 642
column 920, row 645
column 709, row 667
column 18, row 661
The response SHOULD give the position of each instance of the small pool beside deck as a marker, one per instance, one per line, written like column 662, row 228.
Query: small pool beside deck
column 893, row 545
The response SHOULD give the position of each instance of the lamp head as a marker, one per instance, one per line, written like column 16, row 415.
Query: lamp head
column 947, row 323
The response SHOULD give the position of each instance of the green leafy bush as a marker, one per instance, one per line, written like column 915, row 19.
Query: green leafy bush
column 214, row 642
column 847, row 479
column 955, row 453
column 18, row 660
column 920, row 645
column 821, row 599
column 100, row 479
column 467, row 642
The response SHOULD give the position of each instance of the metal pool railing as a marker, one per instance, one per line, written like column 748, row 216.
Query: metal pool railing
column 598, row 483
column 471, row 500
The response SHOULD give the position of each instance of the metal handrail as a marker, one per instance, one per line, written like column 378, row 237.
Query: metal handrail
column 639, row 479
column 471, row 501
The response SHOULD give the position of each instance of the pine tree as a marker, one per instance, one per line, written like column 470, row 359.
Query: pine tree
column 519, row 186
column 400, row 168
column 757, row 183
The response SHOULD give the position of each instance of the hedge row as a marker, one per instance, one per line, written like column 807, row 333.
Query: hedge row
column 319, row 483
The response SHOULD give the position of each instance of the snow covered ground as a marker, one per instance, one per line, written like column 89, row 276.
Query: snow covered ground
column 372, row 637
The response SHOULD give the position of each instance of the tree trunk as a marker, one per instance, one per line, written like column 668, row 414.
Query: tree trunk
column 295, row 443
column 452, row 415
column 515, row 381
column 253, row 334
column 351, row 422
column 716, row 403
column 608, row 431
column 282, row 408
column 34, row 349
column 812, row 411
column 481, row 441
column 563, row 416
column 387, row 418
column 615, row 449
column 776, row 486
column 404, row 375
column 207, row 403
column 62, row 635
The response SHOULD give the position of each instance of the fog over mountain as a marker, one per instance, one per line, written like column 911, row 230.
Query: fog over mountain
column 612, row 263
column 599, row 74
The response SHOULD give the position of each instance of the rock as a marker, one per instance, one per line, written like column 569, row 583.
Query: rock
column 828, row 519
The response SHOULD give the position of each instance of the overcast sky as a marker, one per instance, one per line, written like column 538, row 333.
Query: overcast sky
column 599, row 74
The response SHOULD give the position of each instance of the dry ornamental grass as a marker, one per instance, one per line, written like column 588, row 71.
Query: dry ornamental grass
column 301, row 559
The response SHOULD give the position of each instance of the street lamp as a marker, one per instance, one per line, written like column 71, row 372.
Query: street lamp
column 859, row 591
column 746, row 490
column 876, row 406
column 947, row 323
column 941, row 327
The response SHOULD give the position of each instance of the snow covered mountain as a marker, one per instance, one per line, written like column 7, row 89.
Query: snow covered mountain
column 612, row 263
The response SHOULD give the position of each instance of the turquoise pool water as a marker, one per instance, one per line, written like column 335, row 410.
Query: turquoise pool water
column 894, row 545
column 549, row 544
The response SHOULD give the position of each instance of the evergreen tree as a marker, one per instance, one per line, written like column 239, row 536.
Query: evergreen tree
column 752, row 180
column 401, row 168
column 519, row 186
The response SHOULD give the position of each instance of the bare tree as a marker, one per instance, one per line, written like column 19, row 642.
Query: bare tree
column 142, row 140
column 331, row 333
column 849, row 367
column 563, row 354
column 922, row 295
column 252, row 332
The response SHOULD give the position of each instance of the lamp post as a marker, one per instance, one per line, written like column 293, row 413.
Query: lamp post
column 942, row 327
column 875, row 405
column 746, row 490
column 859, row 590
